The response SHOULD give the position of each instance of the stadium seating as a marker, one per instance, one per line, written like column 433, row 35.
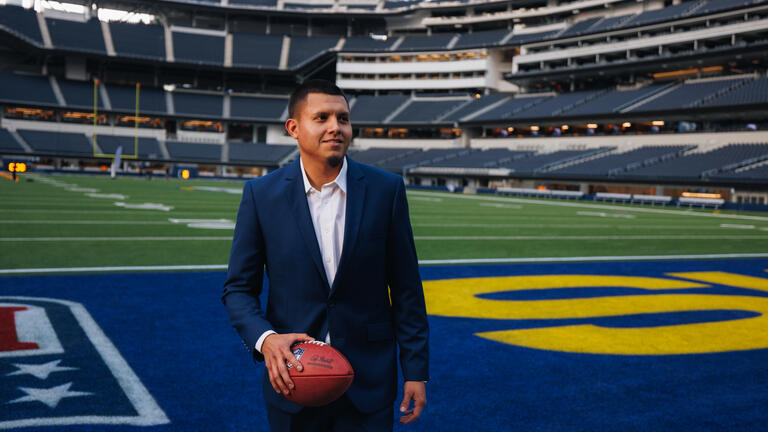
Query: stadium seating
column 483, row 159
column 376, row 155
column 693, row 166
column 258, row 153
column 374, row 109
column 261, row 108
column 759, row 173
column 262, row 3
column 510, row 108
column 609, row 23
column 305, row 49
column 57, row 143
column 558, row 104
column 148, row 147
column 138, row 40
column 667, row 13
column 426, row 111
column 541, row 162
column 77, row 36
column 688, row 95
column 481, row 39
column 415, row 159
column 198, row 48
column 123, row 99
column 612, row 163
column 366, row 44
column 8, row 143
column 753, row 92
column 193, row 152
column 579, row 28
column 437, row 41
column 197, row 104
column 474, row 106
column 21, row 22
column 79, row 94
column 615, row 101
column 520, row 39
column 712, row 6
column 256, row 50
column 26, row 89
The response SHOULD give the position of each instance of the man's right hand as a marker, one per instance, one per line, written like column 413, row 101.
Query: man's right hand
column 276, row 349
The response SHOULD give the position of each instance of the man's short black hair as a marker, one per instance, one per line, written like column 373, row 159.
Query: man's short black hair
column 312, row 86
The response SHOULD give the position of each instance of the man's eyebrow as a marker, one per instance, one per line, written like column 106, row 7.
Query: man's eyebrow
column 340, row 113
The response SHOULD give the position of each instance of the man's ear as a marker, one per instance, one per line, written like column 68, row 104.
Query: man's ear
column 292, row 126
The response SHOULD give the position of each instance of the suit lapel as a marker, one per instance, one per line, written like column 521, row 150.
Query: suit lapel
column 356, row 186
column 300, row 211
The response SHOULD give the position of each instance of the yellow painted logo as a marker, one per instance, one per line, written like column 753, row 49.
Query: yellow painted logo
column 460, row 298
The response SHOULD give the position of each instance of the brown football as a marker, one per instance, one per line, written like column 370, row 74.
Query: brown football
column 326, row 376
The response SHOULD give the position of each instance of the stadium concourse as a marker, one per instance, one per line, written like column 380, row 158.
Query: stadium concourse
column 588, row 185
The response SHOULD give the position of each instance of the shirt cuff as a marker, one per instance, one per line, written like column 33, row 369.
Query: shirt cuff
column 262, row 337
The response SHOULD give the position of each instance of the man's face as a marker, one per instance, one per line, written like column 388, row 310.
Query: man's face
column 322, row 128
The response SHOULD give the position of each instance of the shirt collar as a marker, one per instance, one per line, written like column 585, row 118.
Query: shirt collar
column 340, row 180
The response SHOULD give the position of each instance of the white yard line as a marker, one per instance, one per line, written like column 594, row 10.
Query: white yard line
column 82, row 222
column 737, row 226
column 591, row 206
column 421, row 262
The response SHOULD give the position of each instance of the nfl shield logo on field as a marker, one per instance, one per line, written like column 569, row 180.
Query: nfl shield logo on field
column 59, row 368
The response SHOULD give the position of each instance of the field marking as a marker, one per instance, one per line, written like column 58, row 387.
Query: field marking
column 499, row 205
column 603, row 214
column 604, row 225
column 428, row 199
column 73, row 239
column 737, row 226
column 606, row 237
column 593, row 206
column 421, row 262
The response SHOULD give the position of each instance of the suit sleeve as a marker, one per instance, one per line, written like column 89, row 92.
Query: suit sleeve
column 409, row 310
column 245, row 276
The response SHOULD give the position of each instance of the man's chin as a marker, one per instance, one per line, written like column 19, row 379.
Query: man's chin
column 334, row 161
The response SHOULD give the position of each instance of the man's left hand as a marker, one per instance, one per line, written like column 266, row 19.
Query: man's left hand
column 413, row 391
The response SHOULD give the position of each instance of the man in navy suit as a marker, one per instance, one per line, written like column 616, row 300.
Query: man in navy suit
column 335, row 239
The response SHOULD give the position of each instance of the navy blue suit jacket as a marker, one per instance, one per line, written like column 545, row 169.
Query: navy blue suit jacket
column 376, row 302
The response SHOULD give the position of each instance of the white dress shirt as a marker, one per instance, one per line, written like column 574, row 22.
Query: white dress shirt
column 328, row 209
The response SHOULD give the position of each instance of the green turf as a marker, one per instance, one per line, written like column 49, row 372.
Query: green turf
column 35, row 213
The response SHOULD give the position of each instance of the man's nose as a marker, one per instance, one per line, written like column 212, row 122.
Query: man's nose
column 333, row 125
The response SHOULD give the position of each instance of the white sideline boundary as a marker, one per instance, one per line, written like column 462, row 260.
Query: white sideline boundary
column 421, row 262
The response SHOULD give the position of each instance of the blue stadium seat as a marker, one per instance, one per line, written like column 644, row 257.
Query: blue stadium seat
column 483, row 159
column 615, row 101
column 367, row 44
column 196, row 104
column 256, row 50
column 123, row 99
column 610, row 23
column 475, row 106
column 21, row 22
column 426, row 111
column 305, row 49
column 138, row 40
column 374, row 155
column 26, row 89
column 261, row 108
column 712, row 6
column 558, row 104
column 193, row 152
column 693, row 166
column 421, row 158
column 57, row 143
column 79, row 94
column 752, row 92
column 198, row 48
column 688, row 95
column 8, row 143
column 759, row 173
column 374, row 109
column 262, row 3
column 77, row 36
column 258, row 153
column 541, row 162
column 437, row 41
column 148, row 147
column 510, row 108
column 581, row 27
column 521, row 39
column 481, row 39
column 612, row 163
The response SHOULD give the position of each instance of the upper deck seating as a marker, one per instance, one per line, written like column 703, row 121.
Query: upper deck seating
column 753, row 92
column 263, row 3
column 305, row 49
column 614, row 101
column 123, row 99
column 483, row 159
column 184, row 151
column 259, row 153
column 198, row 48
column 712, row 6
column 197, row 104
column 367, row 44
column 579, row 28
column 57, row 143
column 609, row 23
column 426, row 111
column 475, row 106
column 481, row 39
column 26, row 89
column 138, row 40
column 77, row 36
column 374, row 155
column 262, row 108
column 418, row 159
column 687, row 95
column 558, row 104
column 22, row 22
column 667, row 13
column 437, row 41
column 510, row 108
column 256, row 50
column 79, row 94
column 374, row 109
column 148, row 147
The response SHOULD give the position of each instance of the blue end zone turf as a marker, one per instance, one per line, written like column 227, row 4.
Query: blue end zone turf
column 173, row 333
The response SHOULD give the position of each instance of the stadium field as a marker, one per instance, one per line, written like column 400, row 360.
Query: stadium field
column 51, row 222
column 544, row 315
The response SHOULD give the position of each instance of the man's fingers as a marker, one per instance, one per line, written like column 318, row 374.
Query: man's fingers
column 406, row 402
column 276, row 380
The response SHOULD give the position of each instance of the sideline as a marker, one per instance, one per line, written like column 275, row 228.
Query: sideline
column 421, row 262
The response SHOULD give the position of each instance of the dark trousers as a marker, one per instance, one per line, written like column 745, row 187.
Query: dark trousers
column 339, row 416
